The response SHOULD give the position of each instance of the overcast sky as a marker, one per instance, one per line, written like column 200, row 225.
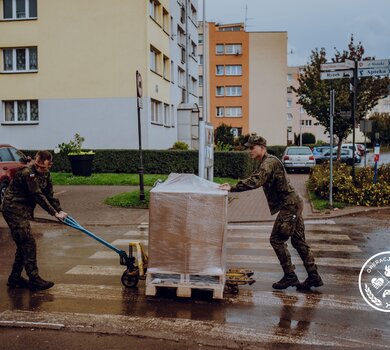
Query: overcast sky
column 311, row 23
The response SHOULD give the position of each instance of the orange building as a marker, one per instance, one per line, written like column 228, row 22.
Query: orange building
column 229, row 76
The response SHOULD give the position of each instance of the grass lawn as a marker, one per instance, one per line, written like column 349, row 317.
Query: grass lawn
column 322, row 204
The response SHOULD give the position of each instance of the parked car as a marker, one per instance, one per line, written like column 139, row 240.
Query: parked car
column 11, row 160
column 346, row 156
column 298, row 158
column 318, row 150
column 359, row 149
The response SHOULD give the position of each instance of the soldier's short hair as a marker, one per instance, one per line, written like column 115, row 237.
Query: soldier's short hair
column 256, row 140
column 44, row 155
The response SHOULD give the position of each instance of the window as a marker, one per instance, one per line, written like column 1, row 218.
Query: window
column 201, row 60
column 233, row 91
column 289, row 116
column 182, row 14
column 289, row 103
column 236, row 132
column 200, row 38
column 155, row 111
column 183, row 54
column 181, row 38
column 220, row 70
column 20, row 60
column 306, row 122
column 172, row 73
column 181, row 77
column 200, row 80
column 194, row 15
column 166, row 23
column 230, row 29
column 153, row 9
column 193, row 48
column 200, row 101
column 19, row 9
column 233, row 70
column 193, row 86
column 289, row 77
column 167, row 115
column 220, row 91
column 166, row 70
column 172, row 117
column 289, row 89
column 23, row 112
column 233, row 111
column 220, row 111
column 219, row 49
column 154, row 58
column 302, row 110
column 233, row 49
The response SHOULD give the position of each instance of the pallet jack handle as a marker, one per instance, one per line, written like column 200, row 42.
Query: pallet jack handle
column 124, row 259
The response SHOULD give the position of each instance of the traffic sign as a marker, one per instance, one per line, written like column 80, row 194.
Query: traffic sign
column 337, row 74
column 337, row 65
column 374, row 64
column 370, row 72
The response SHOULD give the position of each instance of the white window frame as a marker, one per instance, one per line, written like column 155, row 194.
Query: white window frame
column 200, row 38
column 220, row 112
column 233, row 69
column 233, row 91
column 28, row 108
column 153, row 9
column 289, row 116
column 154, row 59
column 233, row 112
column 233, row 49
column 167, row 115
column 289, row 103
column 155, row 111
column 166, row 23
column 219, row 49
column 220, row 91
column 14, row 60
column 14, row 12
column 216, row 70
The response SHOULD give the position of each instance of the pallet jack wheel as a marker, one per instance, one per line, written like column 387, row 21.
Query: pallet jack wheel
column 130, row 278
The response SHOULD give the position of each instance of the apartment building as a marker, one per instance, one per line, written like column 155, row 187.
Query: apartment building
column 246, row 80
column 69, row 67
column 298, row 121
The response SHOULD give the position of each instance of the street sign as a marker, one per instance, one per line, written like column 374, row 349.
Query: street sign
column 370, row 72
column 337, row 74
column 365, row 126
column 374, row 64
column 345, row 114
column 337, row 65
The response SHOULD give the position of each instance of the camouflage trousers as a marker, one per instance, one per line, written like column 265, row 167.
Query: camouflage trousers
column 26, row 251
column 289, row 224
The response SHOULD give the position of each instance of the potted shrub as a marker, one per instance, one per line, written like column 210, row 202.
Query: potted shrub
column 80, row 161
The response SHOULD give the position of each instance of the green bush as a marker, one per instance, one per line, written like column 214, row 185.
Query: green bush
column 226, row 164
column 361, row 192
column 179, row 145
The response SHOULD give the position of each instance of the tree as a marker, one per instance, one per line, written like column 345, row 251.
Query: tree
column 314, row 93
column 307, row 138
column 381, row 125
column 223, row 135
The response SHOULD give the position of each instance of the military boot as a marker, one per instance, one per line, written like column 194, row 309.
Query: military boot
column 17, row 281
column 313, row 280
column 37, row 283
column 288, row 280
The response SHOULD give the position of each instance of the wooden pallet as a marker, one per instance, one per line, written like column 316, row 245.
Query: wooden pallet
column 185, row 283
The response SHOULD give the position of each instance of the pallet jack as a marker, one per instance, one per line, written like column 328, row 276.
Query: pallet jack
column 136, row 262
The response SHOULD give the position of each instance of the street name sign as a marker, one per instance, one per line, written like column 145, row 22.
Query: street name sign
column 370, row 72
column 337, row 65
column 337, row 74
column 374, row 64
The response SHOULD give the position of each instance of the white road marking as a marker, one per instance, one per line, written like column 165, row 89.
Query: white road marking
column 314, row 247
column 309, row 236
column 96, row 270
column 125, row 242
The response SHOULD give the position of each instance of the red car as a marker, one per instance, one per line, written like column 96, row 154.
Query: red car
column 11, row 160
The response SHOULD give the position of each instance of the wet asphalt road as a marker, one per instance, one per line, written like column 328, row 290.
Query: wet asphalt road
column 88, row 297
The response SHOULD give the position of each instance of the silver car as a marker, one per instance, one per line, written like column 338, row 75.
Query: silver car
column 298, row 158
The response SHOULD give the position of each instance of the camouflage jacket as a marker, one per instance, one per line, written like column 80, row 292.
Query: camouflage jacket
column 28, row 188
column 271, row 175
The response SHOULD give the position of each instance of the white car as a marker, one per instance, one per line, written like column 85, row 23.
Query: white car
column 298, row 158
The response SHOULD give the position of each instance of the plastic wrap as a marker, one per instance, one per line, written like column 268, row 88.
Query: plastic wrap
column 187, row 227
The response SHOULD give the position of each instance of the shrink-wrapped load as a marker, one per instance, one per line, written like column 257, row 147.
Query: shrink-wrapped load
column 187, row 224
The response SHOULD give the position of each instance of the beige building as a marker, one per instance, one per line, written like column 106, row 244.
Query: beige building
column 298, row 121
column 69, row 67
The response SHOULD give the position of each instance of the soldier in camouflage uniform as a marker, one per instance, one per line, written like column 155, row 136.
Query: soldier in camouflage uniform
column 31, row 185
column 282, row 198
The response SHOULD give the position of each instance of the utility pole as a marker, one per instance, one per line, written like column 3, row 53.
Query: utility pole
column 331, row 115
column 354, row 107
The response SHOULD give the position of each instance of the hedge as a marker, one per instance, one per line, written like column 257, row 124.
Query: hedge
column 226, row 164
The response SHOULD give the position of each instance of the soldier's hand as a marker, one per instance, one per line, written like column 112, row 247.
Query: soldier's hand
column 225, row 187
column 61, row 215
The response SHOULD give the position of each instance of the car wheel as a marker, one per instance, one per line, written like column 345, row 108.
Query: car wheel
column 3, row 187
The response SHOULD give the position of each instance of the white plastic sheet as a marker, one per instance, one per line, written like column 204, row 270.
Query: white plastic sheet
column 187, row 227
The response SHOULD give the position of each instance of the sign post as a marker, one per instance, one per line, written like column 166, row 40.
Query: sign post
column 138, row 79
column 376, row 160
column 331, row 114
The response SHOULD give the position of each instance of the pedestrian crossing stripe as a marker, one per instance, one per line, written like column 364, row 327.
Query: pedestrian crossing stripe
column 309, row 236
